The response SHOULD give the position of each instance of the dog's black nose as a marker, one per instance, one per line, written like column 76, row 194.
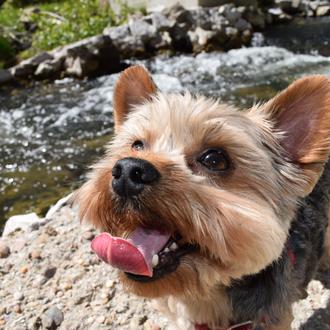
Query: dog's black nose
column 130, row 175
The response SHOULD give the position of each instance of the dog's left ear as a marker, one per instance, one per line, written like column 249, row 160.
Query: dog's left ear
column 301, row 113
column 133, row 87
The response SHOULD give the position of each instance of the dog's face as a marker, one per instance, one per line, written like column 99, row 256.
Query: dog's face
column 224, row 184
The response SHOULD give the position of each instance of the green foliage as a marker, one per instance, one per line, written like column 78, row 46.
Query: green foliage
column 75, row 21
column 55, row 22
column 6, row 49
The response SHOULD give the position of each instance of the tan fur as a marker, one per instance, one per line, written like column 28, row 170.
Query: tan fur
column 134, row 87
column 240, row 220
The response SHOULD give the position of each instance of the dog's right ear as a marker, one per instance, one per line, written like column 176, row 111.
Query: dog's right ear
column 133, row 87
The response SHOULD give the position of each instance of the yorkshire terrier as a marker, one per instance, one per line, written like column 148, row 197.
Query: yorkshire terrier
column 220, row 214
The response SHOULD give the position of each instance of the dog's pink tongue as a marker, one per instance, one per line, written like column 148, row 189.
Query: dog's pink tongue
column 132, row 255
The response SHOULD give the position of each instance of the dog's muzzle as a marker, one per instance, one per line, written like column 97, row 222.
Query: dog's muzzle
column 131, row 175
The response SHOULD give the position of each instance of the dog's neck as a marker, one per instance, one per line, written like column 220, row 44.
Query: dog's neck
column 185, row 312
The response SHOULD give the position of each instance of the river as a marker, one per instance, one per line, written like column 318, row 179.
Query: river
column 51, row 133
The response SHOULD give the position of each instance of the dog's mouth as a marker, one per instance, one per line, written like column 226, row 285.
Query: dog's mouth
column 146, row 255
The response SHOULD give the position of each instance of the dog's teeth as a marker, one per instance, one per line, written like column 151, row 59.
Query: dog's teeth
column 155, row 260
column 166, row 250
column 173, row 246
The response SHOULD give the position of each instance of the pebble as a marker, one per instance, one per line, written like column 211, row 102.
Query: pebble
column 24, row 269
column 35, row 255
column 52, row 318
column 88, row 235
column 101, row 319
column 4, row 250
column 67, row 286
column 17, row 309
column 18, row 296
column 49, row 272
column 51, row 231
column 42, row 239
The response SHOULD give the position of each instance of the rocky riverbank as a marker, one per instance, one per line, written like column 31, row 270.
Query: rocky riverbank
column 50, row 279
column 171, row 31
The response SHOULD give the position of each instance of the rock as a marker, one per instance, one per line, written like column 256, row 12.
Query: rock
column 23, row 222
column 18, row 296
column 52, row 318
column 323, row 11
column 40, row 58
column 141, row 29
column 24, row 269
column 5, row 77
column 180, row 15
column 79, row 67
column 23, row 70
column 161, row 22
column 231, row 32
column 91, row 56
column 284, row 4
column 59, row 204
column 101, row 319
column 147, row 33
column 50, row 272
column 88, row 235
column 200, row 38
column 17, row 309
column 256, row 18
column 241, row 25
column 4, row 250
column 49, row 69
column 35, row 255
column 180, row 39
column 124, row 41
column 233, row 15
column 50, row 231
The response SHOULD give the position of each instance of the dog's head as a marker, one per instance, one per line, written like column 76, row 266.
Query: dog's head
column 220, row 183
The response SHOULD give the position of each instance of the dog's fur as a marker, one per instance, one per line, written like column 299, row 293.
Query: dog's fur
column 247, row 221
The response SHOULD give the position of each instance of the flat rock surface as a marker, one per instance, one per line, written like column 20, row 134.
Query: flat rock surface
column 52, row 280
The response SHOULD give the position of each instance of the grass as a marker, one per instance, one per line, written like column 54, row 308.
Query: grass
column 57, row 23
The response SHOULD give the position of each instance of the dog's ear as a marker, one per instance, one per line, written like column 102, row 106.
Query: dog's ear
column 301, row 114
column 133, row 87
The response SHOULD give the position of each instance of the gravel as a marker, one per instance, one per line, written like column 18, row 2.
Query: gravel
column 50, row 279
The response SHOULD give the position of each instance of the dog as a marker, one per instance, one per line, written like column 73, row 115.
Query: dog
column 219, row 214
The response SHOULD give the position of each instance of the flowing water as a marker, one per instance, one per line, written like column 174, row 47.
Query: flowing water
column 51, row 133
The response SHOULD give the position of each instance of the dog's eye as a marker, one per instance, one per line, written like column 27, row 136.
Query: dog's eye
column 215, row 160
column 138, row 145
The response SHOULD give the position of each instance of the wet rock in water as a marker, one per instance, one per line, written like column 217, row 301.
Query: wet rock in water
column 49, row 69
column 52, row 318
column 180, row 39
column 4, row 250
column 5, row 77
column 323, row 11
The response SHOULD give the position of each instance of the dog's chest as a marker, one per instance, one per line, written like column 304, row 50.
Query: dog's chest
column 187, row 312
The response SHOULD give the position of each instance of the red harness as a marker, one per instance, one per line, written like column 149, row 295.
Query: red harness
column 246, row 325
